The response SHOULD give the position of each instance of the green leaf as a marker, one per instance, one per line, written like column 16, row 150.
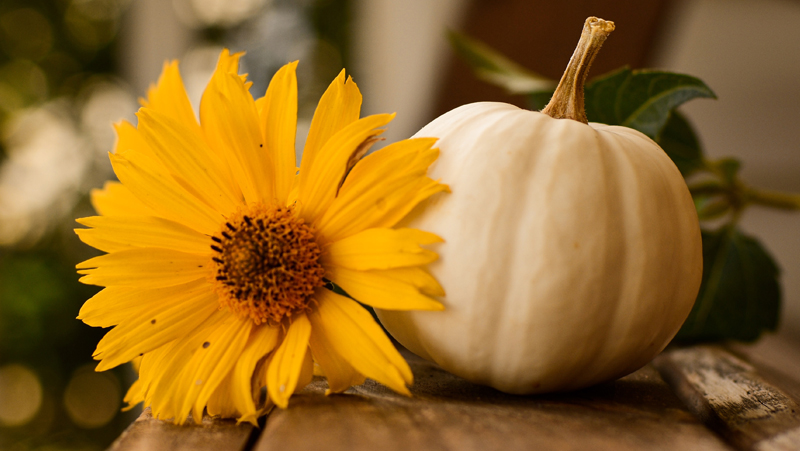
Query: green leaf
column 729, row 169
column 494, row 68
column 680, row 142
column 712, row 208
column 538, row 100
column 640, row 99
column 740, row 294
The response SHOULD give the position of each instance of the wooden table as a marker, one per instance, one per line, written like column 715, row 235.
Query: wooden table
column 711, row 397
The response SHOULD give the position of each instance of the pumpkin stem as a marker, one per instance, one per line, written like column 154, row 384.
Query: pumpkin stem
column 567, row 101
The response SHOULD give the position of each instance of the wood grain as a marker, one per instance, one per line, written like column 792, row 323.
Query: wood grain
column 748, row 394
column 448, row 413
column 150, row 434
column 732, row 398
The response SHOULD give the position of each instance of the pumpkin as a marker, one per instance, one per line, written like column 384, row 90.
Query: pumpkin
column 571, row 253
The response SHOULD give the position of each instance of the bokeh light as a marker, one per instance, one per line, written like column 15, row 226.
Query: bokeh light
column 45, row 166
column 104, row 102
column 92, row 399
column 20, row 395
column 62, row 86
column 196, row 67
column 25, row 33
column 217, row 13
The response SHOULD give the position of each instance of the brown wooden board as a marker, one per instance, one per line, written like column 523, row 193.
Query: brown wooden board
column 150, row 434
column 748, row 394
column 732, row 398
column 638, row 412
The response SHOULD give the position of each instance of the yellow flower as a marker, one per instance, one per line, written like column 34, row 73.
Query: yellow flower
column 220, row 253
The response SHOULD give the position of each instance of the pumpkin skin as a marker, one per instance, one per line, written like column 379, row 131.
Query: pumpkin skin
column 571, row 255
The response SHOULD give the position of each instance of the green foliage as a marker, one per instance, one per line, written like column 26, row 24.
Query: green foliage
column 640, row 99
column 679, row 141
column 494, row 68
column 740, row 294
column 39, row 300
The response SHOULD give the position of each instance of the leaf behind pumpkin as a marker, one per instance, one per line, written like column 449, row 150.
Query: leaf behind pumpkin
column 680, row 142
column 740, row 295
column 492, row 67
column 641, row 99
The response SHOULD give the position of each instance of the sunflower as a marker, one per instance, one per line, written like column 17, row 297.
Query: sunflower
column 222, row 257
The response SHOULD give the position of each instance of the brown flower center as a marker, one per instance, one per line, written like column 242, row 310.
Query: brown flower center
column 267, row 263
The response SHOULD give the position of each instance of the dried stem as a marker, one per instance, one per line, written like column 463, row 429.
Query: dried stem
column 567, row 101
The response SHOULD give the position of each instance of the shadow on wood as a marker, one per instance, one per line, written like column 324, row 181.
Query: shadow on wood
column 714, row 384
column 449, row 413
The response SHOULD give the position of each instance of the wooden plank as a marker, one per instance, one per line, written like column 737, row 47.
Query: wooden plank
column 777, row 359
column 448, row 413
column 732, row 398
column 150, row 434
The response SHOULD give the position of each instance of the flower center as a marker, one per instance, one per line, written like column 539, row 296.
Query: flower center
column 267, row 263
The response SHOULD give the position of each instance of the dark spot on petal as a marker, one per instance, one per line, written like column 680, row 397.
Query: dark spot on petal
column 206, row 345
column 153, row 321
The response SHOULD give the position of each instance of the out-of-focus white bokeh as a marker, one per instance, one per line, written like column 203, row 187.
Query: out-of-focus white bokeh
column 20, row 394
column 55, row 156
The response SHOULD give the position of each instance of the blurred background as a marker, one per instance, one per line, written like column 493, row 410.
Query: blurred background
column 69, row 68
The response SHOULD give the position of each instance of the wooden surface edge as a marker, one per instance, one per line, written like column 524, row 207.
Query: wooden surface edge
column 151, row 434
column 446, row 412
column 741, row 396
column 730, row 396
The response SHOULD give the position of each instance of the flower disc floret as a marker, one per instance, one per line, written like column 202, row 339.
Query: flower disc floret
column 266, row 263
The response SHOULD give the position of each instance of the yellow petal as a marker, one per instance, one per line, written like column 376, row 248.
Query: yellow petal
column 134, row 396
column 340, row 374
column 198, row 365
column 320, row 180
column 381, row 249
column 114, row 199
column 229, row 118
column 115, row 233
column 151, row 185
column 278, row 112
column 306, row 372
column 229, row 62
column 351, row 332
column 144, row 267
column 389, row 289
column 162, row 322
column 114, row 305
column 130, row 140
column 212, row 362
column 161, row 369
column 169, row 97
column 381, row 189
column 339, row 106
column 287, row 363
column 221, row 403
column 262, row 341
column 188, row 159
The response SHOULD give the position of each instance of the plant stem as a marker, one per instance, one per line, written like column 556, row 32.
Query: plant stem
column 567, row 101
column 775, row 199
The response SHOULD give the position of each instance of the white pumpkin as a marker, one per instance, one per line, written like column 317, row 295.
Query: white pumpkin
column 571, row 254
